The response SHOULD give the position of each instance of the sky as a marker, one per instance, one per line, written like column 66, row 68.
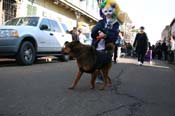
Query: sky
column 154, row 15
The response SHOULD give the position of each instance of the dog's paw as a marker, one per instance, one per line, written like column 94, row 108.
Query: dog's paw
column 101, row 88
column 109, row 84
column 92, row 87
column 71, row 88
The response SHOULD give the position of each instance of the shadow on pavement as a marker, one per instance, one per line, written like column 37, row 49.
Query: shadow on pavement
column 12, row 62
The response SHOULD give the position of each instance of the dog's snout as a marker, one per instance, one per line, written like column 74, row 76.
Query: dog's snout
column 66, row 49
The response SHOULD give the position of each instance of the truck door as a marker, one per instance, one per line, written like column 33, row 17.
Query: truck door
column 58, row 36
column 45, row 37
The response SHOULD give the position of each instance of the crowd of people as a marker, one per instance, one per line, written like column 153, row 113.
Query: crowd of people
column 162, row 51
column 107, row 31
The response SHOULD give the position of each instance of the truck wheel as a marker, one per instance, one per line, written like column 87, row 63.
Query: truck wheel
column 26, row 54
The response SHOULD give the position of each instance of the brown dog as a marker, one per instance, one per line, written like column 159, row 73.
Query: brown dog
column 91, row 61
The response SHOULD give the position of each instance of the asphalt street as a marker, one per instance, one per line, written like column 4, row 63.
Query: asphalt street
column 42, row 90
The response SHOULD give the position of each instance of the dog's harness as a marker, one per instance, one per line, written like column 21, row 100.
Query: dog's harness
column 103, row 58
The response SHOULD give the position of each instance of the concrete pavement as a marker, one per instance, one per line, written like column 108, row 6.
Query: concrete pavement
column 41, row 90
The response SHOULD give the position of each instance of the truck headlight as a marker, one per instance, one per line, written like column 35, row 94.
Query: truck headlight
column 8, row 33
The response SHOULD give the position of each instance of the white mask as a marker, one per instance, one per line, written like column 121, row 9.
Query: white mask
column 107, row 11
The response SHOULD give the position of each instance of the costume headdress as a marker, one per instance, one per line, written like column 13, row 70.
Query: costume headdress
column 111, row 6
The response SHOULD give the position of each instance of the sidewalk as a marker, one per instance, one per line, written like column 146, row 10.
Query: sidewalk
column 155, row 63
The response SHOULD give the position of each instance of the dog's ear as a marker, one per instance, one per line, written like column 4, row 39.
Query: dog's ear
column 74, row 43
column 66, row 43
column 77, row 42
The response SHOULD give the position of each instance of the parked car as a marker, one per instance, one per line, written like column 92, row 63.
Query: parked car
column 27, row 38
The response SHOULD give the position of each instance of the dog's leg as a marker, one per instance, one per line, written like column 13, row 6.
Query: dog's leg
column 93, row 78
column 104, row 75
column 108, row 78
column 78, row 76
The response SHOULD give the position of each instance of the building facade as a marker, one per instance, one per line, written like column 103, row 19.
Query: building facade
column 81, row 13
column 75, row 13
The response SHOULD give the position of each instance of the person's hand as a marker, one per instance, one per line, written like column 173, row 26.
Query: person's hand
column 147, row 50
column 101, row 35
column 134, row 48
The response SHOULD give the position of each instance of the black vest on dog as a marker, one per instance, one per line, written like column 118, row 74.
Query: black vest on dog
column 102, row 59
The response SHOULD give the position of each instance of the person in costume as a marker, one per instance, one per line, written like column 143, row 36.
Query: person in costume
column 106, row 30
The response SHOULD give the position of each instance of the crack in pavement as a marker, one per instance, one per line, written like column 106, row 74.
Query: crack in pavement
column 133, row 108
column 116, row 87
column 110, row 110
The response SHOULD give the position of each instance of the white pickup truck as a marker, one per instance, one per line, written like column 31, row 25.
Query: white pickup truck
column 27, row 38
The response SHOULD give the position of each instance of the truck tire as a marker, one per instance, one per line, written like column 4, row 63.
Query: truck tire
column 26, row 54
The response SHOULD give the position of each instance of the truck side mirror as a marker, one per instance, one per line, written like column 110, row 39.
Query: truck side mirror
column 44, row 27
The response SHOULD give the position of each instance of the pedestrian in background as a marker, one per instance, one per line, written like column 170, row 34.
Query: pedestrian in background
column 74, row 33
column 141, row 45
column 117, row 49
column 82, row 37
column 148, row 56
column 164, row 51
column 159, row 51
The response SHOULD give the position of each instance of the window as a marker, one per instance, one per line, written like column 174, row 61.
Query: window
column 64, row 27
column 9, row 7
column 31, row 10
column 25, row 21
column 46, row 22
column 55, row 26
column 12, row 21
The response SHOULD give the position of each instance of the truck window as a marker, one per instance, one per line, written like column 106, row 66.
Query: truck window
column 64, row 27
column 46, row 22
column 55, row 26
column 25, row 21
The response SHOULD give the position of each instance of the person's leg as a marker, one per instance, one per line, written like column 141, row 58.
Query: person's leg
column 118, row 52
column 139, row 57
column 142, row 56
column 166, row 55
column 99, row 78
column 150, row 56
column 115, row 54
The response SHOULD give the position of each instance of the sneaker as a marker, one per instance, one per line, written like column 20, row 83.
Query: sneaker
column 114, row 62
column 150, row 62
column 139, row 63
column 99, row 79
